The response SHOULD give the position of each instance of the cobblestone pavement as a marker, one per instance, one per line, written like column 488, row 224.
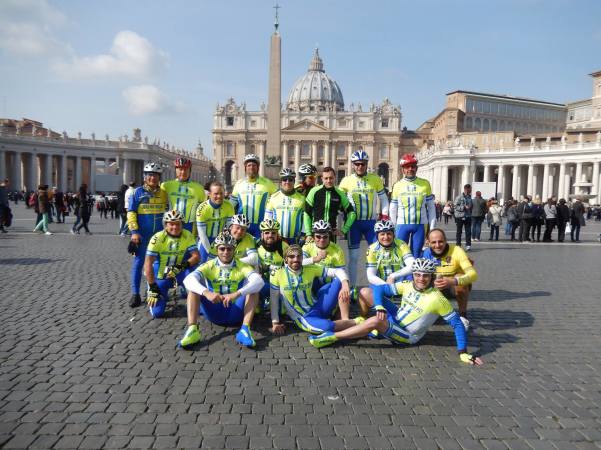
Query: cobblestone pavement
column 80, row 369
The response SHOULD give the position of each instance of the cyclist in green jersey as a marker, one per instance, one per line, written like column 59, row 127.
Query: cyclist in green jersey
column 250, row 195
column 246, row 249
column 422, row 304
column 287, row 206
column 323, row 252
column 324, row 202
column 170, row 256
column 226, row 290
column 183, row 194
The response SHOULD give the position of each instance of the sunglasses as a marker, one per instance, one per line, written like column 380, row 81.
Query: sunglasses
column 320, row 236
column 287, row 180
column 360, row 164
column 225, row 249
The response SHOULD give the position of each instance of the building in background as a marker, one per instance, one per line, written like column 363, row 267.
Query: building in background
column 586, row 114
column 31, row 154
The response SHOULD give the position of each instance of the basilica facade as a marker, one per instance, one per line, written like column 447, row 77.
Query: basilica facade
column 317, row 127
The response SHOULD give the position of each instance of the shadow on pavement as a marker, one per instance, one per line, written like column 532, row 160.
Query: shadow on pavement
column 500, row 319
column 499, row 295
column 26, row 261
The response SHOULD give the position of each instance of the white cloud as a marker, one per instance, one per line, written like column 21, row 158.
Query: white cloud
column 148, row 99
column 131, row 55
column 27, row 28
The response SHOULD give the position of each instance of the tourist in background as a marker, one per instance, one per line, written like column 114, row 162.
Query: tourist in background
column 538, row 218
column 550, row 219
column 463, row 216
column 122, row 210
column 43, row 209
column 478, row 214
column 576, row 219
column 563, row 217
column 495, row 219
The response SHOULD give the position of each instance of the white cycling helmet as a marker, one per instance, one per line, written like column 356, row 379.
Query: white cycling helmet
column 307, row 169
column 251, row 157
column 287, row 173
column 241, row 220
column 423, row 265
column 225, row 239
column 152, row 167
column 383, row 225
column 359, row 155
column 321, row 226
column 172, row 216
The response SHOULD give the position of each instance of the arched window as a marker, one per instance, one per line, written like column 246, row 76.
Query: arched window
column 477, row 124
column 468, row 123
column 485, row 126
column 493, row 125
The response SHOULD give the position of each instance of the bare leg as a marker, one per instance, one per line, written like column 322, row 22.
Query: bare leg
column 249, row 308
column 193, row 305
column 363, row 329
column 343, row 324
column 366, row 301
column 462, row 293
column 345, row 309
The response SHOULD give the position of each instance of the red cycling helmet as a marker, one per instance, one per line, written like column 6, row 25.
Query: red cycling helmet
column 408, row 160
column 183, row 163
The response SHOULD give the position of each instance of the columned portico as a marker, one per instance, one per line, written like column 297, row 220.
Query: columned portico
column 3, row 173
column 77, row 170
column 92, row 186
column 284, row 154
column 17, row 181
column 545, row 188
column 595, row 180
column 63, row 175
column 514, row 182
column 262, row 158
column 297, row 146
column 314, row 153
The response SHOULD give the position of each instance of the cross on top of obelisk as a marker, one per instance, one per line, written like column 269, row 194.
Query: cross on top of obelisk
column 276, row 23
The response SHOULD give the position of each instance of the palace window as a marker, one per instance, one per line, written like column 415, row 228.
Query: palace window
column 253, row 123
column 383, row 154
column 229, row 121
column 341, row 151
column 322, row 123
column 305, row 150
column 229, row 149
column 384, row 123
column 291, row 122
column 361, row 124
column 342, row 123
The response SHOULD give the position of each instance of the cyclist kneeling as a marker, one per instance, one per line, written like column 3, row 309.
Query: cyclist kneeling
column 170, row 256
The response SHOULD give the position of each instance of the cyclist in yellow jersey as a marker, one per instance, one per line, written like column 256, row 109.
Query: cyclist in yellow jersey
column 455, row 271
column 212, row 217
column 183, row 194
column 323, row 252
column 171, row 255
column 293, row 285
column 250, row 195
column 364, row 190
column 271, row 249
column 412, row 206
column 226, row 290
column 422, row 304
column 246, row 248
column 287, row 207
column 387, row 261
column 144, row 218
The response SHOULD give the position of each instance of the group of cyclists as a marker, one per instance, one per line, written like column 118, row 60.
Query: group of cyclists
column 275, row 249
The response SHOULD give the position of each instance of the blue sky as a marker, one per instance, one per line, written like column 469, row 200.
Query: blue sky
column 110, row 66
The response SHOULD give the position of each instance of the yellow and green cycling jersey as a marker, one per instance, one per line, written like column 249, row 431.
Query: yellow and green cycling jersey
column 224, row 279
column 412, row 196
column 145, row 211
column 363, row 193
column 271, row 260
column 296, row 287
column 288, row 211
column 170, row 250
column 335, row 255
column 387, row 260
column 453, row 262
column 185, row 196
column 213, row 218
column 250, row 197
column 245, row 247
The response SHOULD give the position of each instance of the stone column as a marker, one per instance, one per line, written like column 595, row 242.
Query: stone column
column 444, row 183
column 17, row 181
column 326, row 154
column 486, row 176
column 262, row 158
column 545, row 188
column 567, row 190
column 514, row 182
column 465, row 175
column 78, row 171
column 124, row 170
column 314, row 153
column 349, row 152
column 284, row 154
column 535, row 178
column 561, row 185
column 501, row 183
column 595, row 181
column 435, row 183
column 33, row 172
column 297, row 151
column 93, row 174
column 529, row 189
column 48, row 171
column 578, row 190
column 2, row 164
column 63, row 177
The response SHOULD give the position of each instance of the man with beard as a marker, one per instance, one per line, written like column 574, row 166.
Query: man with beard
column 271, row 249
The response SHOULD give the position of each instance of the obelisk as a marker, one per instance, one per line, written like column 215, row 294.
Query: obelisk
column 274, row 100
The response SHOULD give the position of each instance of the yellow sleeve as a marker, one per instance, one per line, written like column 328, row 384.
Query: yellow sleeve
column 469, row 273
column 395, row 190
column 132, row 220
column 443, row 306
column 378, row 184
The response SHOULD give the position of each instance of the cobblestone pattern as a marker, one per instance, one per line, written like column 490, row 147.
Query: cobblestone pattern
column 79, row 369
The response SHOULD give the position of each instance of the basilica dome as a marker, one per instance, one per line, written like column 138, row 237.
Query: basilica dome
column 315, row 91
